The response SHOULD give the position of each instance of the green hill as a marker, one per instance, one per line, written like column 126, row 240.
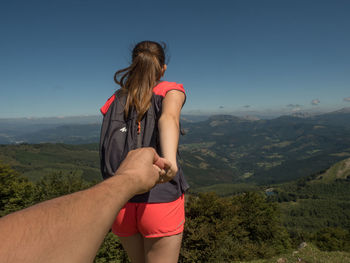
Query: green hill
column 309, row 254
column 36, row 160
column 339, row 171
column 224, row 148
column 316, row 202
column 264, row 151
column 313, row 208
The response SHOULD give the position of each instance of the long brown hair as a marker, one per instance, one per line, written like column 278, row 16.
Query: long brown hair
column 138, row 80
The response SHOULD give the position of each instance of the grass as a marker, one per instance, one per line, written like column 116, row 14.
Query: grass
column 338, row 171
column 309, row 254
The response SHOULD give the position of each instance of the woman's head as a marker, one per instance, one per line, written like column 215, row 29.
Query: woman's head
column 137, row 80
column 149, row 50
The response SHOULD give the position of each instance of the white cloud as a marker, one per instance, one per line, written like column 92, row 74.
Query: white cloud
column 347, row 99
column 293, row 106
column 296, row 109
column 315, row 102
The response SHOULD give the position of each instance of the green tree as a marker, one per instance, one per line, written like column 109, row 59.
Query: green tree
column 333, row 239
column 16, row 192
column 242, row 227
column 111, row 251
column 210, row 222
column 58, row 184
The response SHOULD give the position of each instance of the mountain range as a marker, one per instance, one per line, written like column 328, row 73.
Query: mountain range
column 230, row 149
column 222, row 148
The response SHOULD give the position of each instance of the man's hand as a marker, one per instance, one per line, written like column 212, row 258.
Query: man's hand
column 144, row 168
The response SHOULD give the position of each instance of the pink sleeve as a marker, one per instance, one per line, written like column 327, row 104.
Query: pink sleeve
column 108, row 103
column 164, row 87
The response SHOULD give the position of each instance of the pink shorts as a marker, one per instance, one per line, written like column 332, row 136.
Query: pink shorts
column 151, row 220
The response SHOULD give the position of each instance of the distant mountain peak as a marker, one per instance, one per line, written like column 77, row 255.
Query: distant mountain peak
column 343, row 110
column 224, row 117
column 301, row 114
column 251, row 118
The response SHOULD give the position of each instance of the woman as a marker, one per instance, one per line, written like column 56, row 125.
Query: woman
column 150, row 226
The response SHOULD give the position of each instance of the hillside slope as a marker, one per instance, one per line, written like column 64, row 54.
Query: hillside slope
column 37, row 160
column 317, row 201
column 227, row 149
column 264, row 151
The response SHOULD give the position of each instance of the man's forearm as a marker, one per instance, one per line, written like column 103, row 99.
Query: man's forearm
column 66, row 229
column 71, row 228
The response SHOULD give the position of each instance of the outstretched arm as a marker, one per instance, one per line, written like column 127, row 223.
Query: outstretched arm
column 169, row 128
column 71, row 228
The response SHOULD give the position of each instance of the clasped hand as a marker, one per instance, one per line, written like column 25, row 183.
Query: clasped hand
column 137, row 168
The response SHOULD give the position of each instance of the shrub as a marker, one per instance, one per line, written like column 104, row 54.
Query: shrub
column 226, row 229
column 16, row 192
column 333, row 239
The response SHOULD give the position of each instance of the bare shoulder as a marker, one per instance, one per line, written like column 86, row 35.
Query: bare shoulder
column 173, row 100
column 177, row 95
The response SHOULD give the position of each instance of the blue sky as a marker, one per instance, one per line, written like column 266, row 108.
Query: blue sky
column 58, row 58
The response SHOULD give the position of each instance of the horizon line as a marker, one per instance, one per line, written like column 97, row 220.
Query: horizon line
column 201, row 112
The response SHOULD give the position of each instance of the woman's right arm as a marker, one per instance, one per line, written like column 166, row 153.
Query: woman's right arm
column 169, row 128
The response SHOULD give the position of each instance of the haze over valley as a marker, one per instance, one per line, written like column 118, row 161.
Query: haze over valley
column 216, row 149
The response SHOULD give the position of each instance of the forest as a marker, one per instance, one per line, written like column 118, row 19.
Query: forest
column 241, row 223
